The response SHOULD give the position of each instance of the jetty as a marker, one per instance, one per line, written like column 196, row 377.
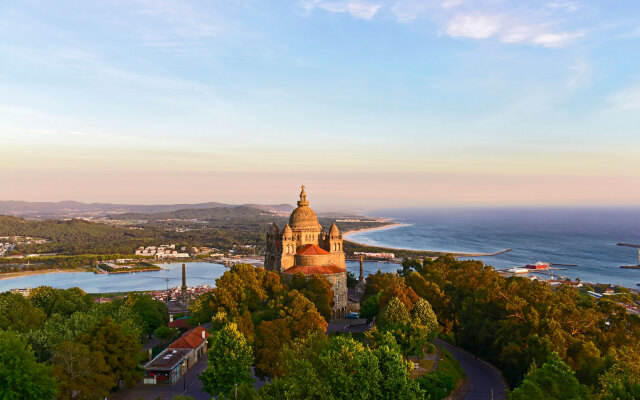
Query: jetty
column 481, row 254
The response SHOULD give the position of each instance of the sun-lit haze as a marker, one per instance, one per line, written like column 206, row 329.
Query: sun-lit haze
column 377, row 103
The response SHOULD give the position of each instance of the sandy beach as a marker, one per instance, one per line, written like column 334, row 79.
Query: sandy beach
column 390, row 225
column 394, row 225
column 10, row 275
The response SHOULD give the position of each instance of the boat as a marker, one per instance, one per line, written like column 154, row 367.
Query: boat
column 517, row 270
column 539, row 265
column 630, row 266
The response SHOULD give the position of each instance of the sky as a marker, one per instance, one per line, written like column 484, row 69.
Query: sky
column 370, row 104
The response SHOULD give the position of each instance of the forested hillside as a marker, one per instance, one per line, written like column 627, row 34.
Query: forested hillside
column 221, row 227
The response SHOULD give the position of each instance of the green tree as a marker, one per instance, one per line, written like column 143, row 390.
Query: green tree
column 316, row 367
column 370, row 307
column 229, row 361
column 352, row 281
column 18, row 314
column 298, row 318
column 317, row 289
column 394, row 314
column 554, row 380
column 423, row 317
column 154, row 313
column 622, row 380
column 60, row 301
column 411, row 330
column 82, row 372
column 118, row 349
column 21, row 376
column 165, row 333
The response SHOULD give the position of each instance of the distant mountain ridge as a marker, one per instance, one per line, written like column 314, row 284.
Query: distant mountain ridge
column 78, row 209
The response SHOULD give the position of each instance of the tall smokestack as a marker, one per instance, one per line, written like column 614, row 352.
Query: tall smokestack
column 361, row 269
column 184, row 276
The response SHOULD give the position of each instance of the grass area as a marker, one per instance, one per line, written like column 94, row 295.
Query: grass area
column 448, row 376
column 137, row 267
column 425, row 363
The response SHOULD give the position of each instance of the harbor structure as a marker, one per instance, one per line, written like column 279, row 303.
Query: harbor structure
column 302, row 246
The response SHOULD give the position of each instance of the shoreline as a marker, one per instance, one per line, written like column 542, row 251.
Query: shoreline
column 11, row 275
column 394, row 225
column 390, row 225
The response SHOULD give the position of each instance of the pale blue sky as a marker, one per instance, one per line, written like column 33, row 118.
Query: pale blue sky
column 456, row 101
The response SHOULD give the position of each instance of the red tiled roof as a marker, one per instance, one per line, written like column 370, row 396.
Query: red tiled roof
column 178, row 323
column 311, row 250
column 190, row 340
column 315, row 269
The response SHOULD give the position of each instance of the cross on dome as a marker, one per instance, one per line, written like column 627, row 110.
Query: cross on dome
column 303, row 198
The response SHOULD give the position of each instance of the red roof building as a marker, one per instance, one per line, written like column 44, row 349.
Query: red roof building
column 178, row 323
column 193, row 339
column 178, row 358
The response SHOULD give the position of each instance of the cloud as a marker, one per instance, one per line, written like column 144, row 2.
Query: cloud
column 358, row 9
column 567, row 6
column 555, row 39
column 475, row 26
column 484, row 26
column 451, row 3
column 409, row 10
column 581, row 74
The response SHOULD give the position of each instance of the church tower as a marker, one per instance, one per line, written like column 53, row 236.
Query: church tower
column 333, row 242
column 302, row 246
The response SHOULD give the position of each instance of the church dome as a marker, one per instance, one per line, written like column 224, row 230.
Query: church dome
column 304, row 217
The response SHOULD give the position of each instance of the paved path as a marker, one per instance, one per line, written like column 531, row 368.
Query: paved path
column 344, row 325
column 482, row 377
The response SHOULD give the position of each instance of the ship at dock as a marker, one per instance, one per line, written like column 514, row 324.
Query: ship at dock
column 538, row 265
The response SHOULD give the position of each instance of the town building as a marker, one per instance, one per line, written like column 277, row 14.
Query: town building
column 303, row 246
column 181, row 355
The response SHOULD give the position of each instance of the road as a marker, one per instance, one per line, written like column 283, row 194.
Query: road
column 482, row 378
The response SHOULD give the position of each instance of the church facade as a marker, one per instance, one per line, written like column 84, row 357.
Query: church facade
column 303, row 246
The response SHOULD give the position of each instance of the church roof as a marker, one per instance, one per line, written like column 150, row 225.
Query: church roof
column 311, row 250
column 315, row 269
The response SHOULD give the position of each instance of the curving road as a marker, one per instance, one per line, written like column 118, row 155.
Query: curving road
column 483, row 379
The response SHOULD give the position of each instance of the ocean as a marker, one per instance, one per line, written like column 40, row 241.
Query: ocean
column 586, row 237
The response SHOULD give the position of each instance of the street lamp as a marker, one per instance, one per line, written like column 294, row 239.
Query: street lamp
column 185, row 365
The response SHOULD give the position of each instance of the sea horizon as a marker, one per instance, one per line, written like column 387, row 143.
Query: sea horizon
column 562, row 235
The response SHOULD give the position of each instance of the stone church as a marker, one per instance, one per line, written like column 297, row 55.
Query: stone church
column 303, row 246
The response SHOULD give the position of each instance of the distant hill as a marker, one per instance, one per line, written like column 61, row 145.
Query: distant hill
column 67, row 209
column 215, row 215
